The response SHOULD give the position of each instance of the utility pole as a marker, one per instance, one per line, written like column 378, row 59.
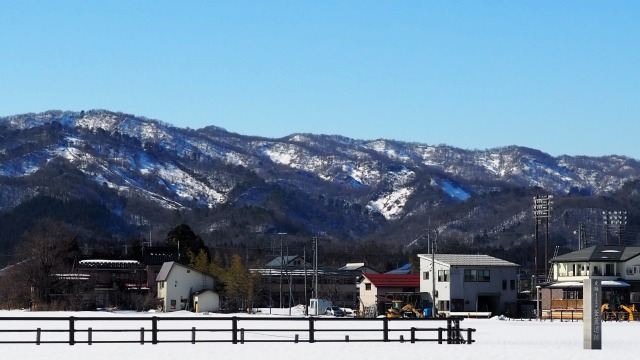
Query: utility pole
column 315, row 270
column 306, row 300
column 281, row 269
column 290, row 275
column 582, row 236
column 433, row 277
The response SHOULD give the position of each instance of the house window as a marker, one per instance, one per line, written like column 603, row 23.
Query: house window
column 443, row 305
column 608, row 270
column 571, row 294
column 512, row 284
column 443, row 275
column 367, row 286
column 470, row 275
column 635, row 297
column 173, row 304
column 484, row 275
column 504, row 284
column 425, row 275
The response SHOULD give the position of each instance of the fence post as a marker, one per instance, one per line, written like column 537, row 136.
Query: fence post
column 440, row 330
column 154, row 330
column 193, row 335
column 469, row 332
column 90, row 336
column 312, row 330
column 38, row 333
column 413, row 335
column 142, row 336
column 72, row 331
column 242, row 336
column 296, row 339
column 234, row 330
column 385, row 330
column 448, row 331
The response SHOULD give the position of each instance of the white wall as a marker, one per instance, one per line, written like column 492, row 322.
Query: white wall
column 457, row 288
column 368, row 297
column 206, row 301
column 182, row 282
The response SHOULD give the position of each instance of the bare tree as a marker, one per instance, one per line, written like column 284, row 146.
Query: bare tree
column 49, row 250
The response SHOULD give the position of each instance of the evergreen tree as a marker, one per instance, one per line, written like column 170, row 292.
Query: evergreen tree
column 187, row 242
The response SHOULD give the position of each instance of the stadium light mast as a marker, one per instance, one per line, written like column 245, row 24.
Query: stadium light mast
column 614, row 219
column 541, row 210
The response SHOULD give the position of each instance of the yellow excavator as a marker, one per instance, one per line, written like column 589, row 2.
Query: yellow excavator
column 398, row 310
column 626, row 312
column 631, row 310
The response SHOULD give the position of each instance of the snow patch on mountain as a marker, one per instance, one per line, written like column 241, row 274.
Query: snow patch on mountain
column 391, row 205
column 384, row 147
column 455, row 191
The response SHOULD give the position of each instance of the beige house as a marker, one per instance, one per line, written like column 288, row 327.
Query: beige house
column 179, row 287
column 375, row 290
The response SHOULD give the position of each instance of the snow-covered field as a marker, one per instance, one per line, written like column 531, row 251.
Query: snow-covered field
column 495, row 339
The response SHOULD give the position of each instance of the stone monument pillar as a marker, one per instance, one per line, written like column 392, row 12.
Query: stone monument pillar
column 592, row 317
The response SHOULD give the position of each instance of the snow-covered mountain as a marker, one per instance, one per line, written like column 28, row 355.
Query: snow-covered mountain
column 306, row 177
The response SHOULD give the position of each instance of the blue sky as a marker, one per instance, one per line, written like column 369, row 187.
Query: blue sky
column 559, row 76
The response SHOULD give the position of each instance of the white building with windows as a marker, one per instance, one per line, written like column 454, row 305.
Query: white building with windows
column 618, row 268
column 183, row 288
column 469, row 283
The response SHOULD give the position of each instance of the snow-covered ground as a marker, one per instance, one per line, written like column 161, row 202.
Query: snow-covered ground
column 495, row 339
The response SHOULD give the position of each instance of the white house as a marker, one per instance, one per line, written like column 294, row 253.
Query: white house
column 179, row 287
column 469, row 283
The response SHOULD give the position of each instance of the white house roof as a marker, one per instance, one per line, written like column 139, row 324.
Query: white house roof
column 579, row 284
column 166, row 269
column 468, row 260
column 352, row 266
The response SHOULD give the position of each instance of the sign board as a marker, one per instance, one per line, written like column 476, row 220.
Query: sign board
column 592, row 300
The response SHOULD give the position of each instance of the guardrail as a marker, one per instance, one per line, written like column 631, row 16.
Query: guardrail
column 236, row 330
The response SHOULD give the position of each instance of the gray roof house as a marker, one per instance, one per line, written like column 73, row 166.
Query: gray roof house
column 617, row 267
column 466, row 284
column 289, row 261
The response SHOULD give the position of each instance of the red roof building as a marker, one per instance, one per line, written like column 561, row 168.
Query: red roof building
column 394, row 280
column 374, row 287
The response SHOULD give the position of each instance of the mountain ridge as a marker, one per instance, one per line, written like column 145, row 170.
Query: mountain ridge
column 316, row 185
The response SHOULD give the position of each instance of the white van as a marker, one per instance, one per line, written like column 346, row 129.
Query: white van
column 319, row 306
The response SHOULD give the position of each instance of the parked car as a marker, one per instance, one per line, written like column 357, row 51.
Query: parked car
column 335, row 311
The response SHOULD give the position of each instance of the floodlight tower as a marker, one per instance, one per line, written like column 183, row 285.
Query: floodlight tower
column 614, row 219
column 541, row 210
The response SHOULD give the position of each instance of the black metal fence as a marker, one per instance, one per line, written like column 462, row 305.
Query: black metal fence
column 236, row 330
